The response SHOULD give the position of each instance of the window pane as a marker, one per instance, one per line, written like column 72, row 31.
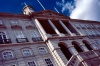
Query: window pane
column 31, row 63
column 42, row 50
column 48, row 62
column 19, row 34
column 27, row 52
column 14, row 22
column 7, row 55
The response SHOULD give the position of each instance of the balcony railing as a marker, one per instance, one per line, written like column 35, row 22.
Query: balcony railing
column 22, row 40
column 4, row 41
column 37, row 39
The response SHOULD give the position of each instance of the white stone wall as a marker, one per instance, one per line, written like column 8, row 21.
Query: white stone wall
column 21, row 60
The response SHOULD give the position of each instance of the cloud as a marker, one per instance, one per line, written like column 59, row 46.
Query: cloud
column 66, row 6
column 86, row 10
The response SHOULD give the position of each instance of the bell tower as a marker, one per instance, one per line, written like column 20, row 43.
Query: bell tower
column 28, row 10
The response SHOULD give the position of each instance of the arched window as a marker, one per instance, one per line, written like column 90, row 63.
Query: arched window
column 42, row 50
column 7, row 54
column 65, row 50
column 77, row 47
column 87, row 44
column 26, row 52
column 3, row 38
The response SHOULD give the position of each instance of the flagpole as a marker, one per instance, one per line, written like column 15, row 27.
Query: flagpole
column 56, row 9
column 41, row 5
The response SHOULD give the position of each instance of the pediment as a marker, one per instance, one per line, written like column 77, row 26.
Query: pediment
column 50, row 14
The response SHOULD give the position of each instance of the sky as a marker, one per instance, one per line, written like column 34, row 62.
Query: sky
column 76, row 9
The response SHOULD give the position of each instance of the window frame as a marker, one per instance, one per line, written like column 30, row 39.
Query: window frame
column 50, row 62
column 19, row 34
column 30, row 52
column 1, row 23
column 31, row 63
column 40, row 51
column 14, row 22
column 28, row 23
column 8, row 54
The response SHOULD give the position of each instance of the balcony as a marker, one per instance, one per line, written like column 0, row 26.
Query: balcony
column 36, row 39
column 4, row 41
column 22, row 40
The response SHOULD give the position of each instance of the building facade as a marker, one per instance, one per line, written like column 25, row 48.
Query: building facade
column 47, row 38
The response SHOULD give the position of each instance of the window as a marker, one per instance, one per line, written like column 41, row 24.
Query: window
column 3, row 38
column 48, row 62
column 7, row 54
column 42, row 50
column 76, row 46
column 31, row 63
column 33, row 34
column 19, row 34
column 12, row 65
column 65, row 50
column 0, row 22
column 28, row 23
column 26, row 52
column 14, row 23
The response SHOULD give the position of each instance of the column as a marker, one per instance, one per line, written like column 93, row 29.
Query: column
column 53, row 26
column 67, row 30
column 40, row 28
column 76, row 29
column 39, row 25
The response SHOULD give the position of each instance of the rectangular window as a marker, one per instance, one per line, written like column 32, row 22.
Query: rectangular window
column 28, row 23
column 14, row 22
column 31, row 63
column 1, row 22
column 48, row 62
column 33, row 34
column 19, row 34
column 7, row 55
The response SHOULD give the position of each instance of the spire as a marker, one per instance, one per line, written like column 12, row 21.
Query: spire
column 27, row 10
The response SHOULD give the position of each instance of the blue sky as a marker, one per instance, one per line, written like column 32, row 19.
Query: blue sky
column 15, row 6
column 76, row 9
